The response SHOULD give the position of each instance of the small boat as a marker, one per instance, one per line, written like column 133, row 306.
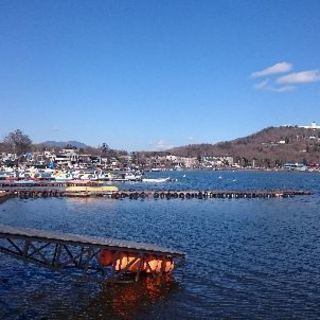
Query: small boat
column 63, row 177
column 155, row 180
column 128, row 176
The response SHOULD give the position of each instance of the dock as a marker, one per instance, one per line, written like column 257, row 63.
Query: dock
column 59, row 251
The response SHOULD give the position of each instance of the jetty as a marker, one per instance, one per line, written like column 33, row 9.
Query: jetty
column 111, row 258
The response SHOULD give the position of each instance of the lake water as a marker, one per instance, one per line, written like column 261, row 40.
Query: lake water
column 246, row 258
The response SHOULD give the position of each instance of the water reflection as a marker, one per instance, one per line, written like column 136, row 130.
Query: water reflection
column 80, row 201
column 126, row 301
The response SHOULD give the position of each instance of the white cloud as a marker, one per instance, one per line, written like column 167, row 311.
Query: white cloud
column 280, row 67
column 300, row 77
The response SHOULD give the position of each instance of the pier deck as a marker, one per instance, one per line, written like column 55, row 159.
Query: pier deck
column 58, row 251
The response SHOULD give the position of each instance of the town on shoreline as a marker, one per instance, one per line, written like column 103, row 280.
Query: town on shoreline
column 69, row 163
column 22, row 160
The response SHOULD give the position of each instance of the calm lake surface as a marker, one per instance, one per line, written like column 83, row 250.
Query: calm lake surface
column 246, row 258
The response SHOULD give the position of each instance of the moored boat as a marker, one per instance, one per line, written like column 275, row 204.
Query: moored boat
column 155, row 180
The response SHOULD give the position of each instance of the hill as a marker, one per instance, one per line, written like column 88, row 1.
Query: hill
column 269, row 147
column 61, row 144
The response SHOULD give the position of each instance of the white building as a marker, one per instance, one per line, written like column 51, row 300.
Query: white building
column 313, row 125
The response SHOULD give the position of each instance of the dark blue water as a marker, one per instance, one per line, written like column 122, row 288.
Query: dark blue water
column 246, row 258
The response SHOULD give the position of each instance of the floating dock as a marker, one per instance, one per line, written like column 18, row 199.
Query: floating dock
column 58, row 251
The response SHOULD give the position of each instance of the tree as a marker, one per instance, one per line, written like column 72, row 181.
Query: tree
column 278, row 163
column 267, row 163
column 104, row 149
column 245, row 162
column 18, row 142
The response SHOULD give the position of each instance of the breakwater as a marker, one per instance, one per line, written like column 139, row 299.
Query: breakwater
column 148, row 194
column 5, row 195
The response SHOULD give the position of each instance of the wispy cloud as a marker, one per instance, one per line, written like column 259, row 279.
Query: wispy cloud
column 272, row 81
column 55, row 129
column 300, row 77
column 162, row 145
column 280, row 67
column 282, row 89
column 264, row 85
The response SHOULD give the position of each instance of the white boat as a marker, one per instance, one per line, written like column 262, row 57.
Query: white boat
column 133, row 177
column 155, row 180
column 63, row 177
column 89, row 176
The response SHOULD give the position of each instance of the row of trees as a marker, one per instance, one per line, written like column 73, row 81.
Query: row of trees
column 19, row 143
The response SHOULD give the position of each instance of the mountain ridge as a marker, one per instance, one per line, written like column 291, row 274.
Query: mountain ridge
column 273, row 145
column 61, row 144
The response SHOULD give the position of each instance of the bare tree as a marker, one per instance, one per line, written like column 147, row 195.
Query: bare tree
column 104, row 149
column 18, row 142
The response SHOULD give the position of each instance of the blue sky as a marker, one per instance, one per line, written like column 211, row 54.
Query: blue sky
column 147, row 75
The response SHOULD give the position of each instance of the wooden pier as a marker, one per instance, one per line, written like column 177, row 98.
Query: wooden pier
column 59, row 251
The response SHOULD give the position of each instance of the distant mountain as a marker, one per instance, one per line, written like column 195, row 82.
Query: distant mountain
column 62, row 144
column 270, row 146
